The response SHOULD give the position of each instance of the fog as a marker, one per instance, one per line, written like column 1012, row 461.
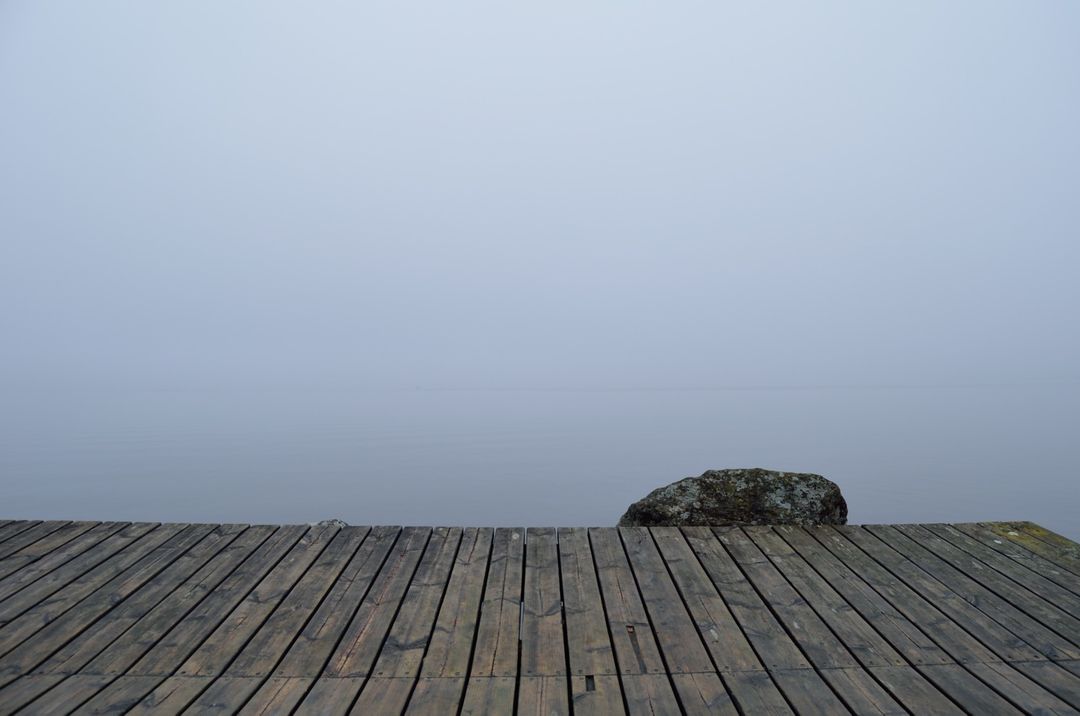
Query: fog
column 644, row 239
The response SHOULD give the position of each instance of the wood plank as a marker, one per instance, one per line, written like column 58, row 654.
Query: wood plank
column 496, row 652
column 183, row 639
column 599, row 694
column 120, row 695
column 1018, row 586
column 405, row 646
column 909, row 687
column 226, row 694
column 383, row 696
column 1055, row 678
column 703, row 694
column 358, row 649
column 37, row 549
column 260, row 656
column 1017, row 533
column 756, row 693
column 905, row 636
column 860, row 638
column 172, row 695
column 436, row 696
column 966, row 690
column 30, row 573
column 277, row 695
column 42, row 630
column 807, row 692
column 1066, row 548
column 633, row 622
column 542, row 695
column 489, row 695
column 649, row 695
column 11, row 529
column 543, row 649
column 1040, row 565
column 588, row 643
column 1019, row 689
column 967, row 634
column 28, row 537
column 1015, row 574
column 862, row 693
column 22, row 691
column 717, row 627
column 973, row 619
column 217, row 652
column 126, row 650
column 675, row 632
column 636, row 650
column 330, row 696
column 819, row 644
column 974, row 591
column 66, row 695
column 451, row 644
column 772, row 643
column 312, row 648
column 78, row 652
column 91, row 568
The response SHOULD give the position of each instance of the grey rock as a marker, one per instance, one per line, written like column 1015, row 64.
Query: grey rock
column 332, row 523
column 753, row 496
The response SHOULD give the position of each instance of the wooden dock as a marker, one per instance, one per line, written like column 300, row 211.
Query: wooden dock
column 118, row 617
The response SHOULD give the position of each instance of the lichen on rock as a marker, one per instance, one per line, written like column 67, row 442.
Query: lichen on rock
column 752, row 496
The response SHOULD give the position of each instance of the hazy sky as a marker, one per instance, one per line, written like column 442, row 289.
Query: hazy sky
column 541, row 194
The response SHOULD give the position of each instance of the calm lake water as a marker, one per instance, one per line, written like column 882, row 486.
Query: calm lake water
column 532, row 457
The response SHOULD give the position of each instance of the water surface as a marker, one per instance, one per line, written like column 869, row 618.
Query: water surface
column 519, row 457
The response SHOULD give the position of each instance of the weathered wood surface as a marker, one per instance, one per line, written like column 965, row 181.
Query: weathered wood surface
column 117, row 617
